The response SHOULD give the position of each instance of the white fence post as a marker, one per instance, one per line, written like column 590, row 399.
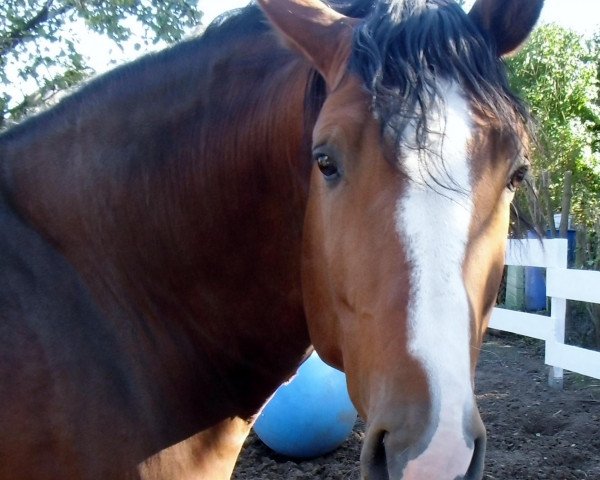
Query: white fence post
column 557, row 259
column 558, row 309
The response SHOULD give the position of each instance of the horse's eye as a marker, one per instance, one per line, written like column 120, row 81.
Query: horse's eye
column 328, row 166
column 518, row 177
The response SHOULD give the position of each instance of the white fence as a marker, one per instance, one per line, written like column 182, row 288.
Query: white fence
column 562, row 284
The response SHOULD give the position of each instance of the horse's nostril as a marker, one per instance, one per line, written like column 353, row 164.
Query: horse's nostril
column 475, row 471
column 374, row 458
column 379, row 456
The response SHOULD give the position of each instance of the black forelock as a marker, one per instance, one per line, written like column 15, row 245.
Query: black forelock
column 404, row 48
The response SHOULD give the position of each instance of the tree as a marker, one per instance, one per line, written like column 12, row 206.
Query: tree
column 39, row 55
column 557, row 74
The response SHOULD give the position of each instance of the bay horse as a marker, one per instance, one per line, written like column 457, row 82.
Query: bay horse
column 178, row 233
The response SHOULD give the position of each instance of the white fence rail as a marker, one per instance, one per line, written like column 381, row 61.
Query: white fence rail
column 562, row 284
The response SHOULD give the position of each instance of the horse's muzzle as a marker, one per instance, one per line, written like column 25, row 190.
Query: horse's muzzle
column 394, row 455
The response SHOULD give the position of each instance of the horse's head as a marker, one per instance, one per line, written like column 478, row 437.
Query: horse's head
column 418, row 149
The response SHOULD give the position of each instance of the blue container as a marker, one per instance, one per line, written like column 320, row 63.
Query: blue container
column 535, row 277
column 571, row 245
column 310, row 415
column 535, row 289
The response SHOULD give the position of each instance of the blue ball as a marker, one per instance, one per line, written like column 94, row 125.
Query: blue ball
column 310, row 415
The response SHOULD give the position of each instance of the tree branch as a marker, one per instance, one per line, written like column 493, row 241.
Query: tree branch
column 27, row 31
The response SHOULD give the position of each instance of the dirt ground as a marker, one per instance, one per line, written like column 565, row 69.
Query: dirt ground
column 534, row 432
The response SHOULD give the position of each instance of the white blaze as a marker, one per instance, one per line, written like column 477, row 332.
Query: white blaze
column 433, row 224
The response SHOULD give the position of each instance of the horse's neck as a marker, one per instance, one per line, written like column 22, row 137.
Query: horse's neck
column 183, row 213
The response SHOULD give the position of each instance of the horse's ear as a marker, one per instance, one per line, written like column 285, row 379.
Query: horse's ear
column 509, row 22
column 315, row 30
